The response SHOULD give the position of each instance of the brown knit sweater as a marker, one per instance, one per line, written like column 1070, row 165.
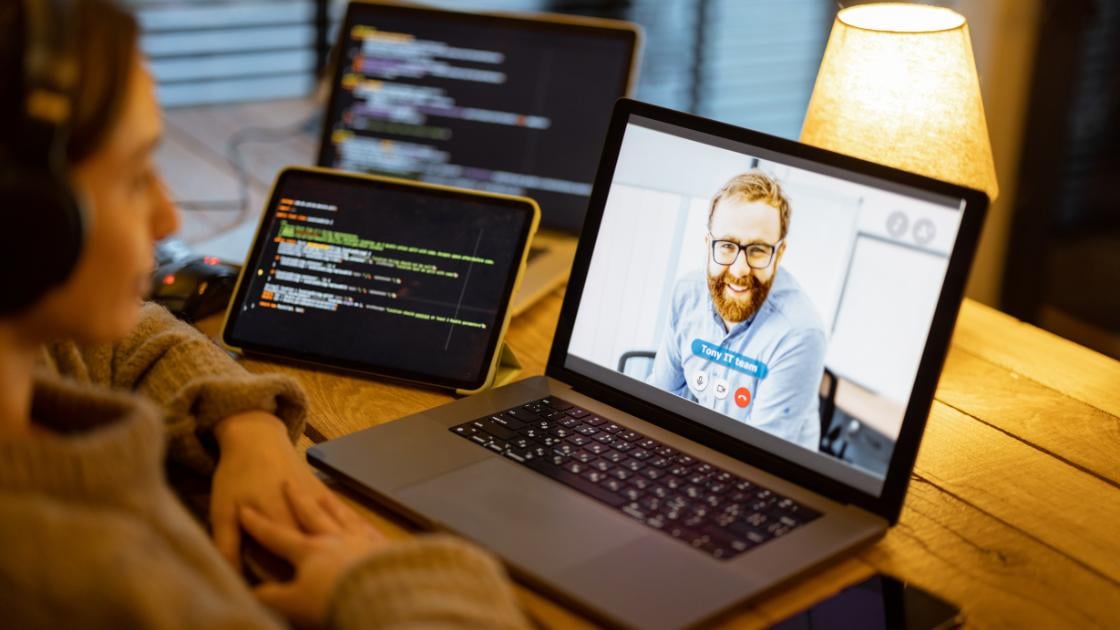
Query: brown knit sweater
column 92, row 536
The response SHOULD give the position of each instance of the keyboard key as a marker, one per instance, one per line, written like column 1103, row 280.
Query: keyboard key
column 614, row 485
column 556, row 404
column 635, row 510
column 583, row 456
column 574, row 467
column 519, row 455
column 523, row 415
column 498, row 431
column 631, row 493
column 576, row 412
column 717, row 487
column 512, row 424
column 594, row 476
column 593, row 420
column 640, row 483
column 629, row 436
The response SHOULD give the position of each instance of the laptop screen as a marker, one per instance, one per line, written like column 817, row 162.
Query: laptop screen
column 503, row 104
column 782, row 302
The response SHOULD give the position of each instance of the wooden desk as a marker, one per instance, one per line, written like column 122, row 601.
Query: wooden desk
column 1013, row 511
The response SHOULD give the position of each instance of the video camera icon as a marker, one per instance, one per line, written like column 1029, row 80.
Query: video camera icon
column 721, row 388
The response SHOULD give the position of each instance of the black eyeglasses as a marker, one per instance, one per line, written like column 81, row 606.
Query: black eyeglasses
column 759, row 255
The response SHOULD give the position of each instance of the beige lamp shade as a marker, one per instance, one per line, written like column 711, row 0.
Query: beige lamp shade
column 898, row 86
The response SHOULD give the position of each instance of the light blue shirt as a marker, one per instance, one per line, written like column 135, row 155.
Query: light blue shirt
column 764, row 372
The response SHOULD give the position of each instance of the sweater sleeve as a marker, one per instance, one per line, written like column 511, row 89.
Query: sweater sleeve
column 429, row 582
column 193, row 380
column 73, row 565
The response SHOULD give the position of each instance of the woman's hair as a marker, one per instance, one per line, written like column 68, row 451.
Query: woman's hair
column 104, row 45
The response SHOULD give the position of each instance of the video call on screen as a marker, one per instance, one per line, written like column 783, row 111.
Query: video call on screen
column 476, row 103
column 827, row 363
column 373, row 274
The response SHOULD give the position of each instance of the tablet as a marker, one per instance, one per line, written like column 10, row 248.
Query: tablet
column 382, row 276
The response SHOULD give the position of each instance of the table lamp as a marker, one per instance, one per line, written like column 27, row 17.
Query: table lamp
column 898, row 86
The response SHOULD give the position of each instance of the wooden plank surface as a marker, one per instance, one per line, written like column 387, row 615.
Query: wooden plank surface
column 1058, row 363
column 1015, row 494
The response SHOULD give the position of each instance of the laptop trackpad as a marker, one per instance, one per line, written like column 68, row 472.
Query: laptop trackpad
column 531, row 521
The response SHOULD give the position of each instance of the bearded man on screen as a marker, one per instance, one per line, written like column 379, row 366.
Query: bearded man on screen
column 743, row 338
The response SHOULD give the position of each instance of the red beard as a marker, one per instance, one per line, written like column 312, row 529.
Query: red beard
column 742, row 308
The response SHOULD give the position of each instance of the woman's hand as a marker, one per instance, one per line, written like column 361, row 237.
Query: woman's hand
column 329, row 540
column 255, row 463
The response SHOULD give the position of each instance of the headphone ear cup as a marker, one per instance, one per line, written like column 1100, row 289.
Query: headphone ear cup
column 41, row 239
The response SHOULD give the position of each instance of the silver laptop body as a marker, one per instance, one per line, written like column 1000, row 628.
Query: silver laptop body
column 619, row 563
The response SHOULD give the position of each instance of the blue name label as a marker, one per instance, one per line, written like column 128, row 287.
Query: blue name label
column 733, row 360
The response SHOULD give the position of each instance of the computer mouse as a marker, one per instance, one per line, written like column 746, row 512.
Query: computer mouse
column 194, row 288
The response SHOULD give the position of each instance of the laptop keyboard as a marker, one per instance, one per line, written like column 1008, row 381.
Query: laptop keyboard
column 695, row 502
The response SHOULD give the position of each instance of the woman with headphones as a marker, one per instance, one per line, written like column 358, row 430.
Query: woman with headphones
column 92, row 533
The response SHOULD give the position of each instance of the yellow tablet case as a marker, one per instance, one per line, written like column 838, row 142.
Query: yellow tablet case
column 504, row 365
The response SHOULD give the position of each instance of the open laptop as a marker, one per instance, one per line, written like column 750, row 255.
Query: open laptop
column 515, row 104
column 680, row 456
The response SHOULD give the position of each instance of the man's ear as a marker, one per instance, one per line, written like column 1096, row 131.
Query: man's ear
column 778, row 255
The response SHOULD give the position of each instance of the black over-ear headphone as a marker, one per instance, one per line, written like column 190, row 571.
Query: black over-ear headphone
column 44, row 218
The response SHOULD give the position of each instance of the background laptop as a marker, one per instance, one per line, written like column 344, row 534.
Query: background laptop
column 647, row 508
column 503, row 103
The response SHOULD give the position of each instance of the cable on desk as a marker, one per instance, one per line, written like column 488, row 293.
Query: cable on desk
column 236, row 160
